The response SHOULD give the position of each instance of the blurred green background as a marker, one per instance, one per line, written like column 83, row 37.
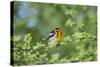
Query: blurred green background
column 39, row 19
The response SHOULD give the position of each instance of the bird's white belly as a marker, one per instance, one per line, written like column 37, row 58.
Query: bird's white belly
column 52, row 40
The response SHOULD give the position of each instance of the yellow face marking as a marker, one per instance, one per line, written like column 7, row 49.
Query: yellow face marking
column 58, row 34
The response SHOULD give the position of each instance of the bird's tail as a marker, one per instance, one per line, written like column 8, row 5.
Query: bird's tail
column 45, row 38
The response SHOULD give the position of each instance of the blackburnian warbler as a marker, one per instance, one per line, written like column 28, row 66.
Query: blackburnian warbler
column 54, row 36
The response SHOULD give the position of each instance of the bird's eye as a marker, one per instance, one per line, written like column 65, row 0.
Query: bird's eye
column 56, row 30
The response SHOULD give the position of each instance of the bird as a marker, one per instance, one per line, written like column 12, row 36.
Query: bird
column 54, row 36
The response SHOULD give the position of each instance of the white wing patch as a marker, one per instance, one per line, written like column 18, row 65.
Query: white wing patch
column 50, row 34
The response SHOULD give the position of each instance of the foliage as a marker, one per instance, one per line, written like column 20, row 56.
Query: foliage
column 25, row 52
